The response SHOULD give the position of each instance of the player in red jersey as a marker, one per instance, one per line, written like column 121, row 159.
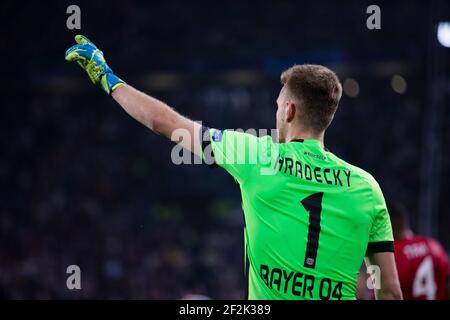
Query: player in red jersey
column 422, row 262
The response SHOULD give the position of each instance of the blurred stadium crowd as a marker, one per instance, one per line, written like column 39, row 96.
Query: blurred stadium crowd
column 82, row 183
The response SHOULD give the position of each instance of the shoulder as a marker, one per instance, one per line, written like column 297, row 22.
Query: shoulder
column 365, row 176
column 248, row 135
column 435, row 247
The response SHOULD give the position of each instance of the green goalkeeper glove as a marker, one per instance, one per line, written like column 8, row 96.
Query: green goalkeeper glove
column 91, row 59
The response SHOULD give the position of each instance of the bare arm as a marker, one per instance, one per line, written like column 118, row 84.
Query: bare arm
column 390, row 284
column 159, row 117
column 361, row 285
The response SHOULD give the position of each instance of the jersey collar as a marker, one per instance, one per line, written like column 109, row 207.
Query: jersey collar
column 310, row 142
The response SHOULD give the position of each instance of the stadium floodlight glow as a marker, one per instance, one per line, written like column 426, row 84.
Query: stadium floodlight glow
column 443, row 34
column 399, row 84
column 351, row 87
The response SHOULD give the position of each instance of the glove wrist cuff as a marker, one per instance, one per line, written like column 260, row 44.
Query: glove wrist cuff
column 109, row 82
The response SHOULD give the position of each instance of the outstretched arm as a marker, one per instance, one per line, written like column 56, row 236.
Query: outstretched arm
column 158, row 117
column 151, row 112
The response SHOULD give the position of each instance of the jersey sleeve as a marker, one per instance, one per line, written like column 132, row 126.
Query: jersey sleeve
column 240, row 154
column 380, row 237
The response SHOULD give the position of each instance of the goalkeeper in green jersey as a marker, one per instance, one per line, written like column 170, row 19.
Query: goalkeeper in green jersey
column 310, row 217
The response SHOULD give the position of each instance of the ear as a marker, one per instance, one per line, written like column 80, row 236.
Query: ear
column 290, row 111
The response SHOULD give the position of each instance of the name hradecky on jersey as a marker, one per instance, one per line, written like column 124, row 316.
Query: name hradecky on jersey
column 337, row 177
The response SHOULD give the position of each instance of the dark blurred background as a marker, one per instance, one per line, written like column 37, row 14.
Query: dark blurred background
column 82, row 183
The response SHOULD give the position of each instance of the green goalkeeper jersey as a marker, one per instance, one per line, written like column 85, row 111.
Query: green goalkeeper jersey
column 309, row 216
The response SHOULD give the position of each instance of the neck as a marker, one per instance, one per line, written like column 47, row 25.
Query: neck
column 304, row 134
column 404, row 234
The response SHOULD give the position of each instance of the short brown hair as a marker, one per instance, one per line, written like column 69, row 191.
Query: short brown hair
column 318, row 91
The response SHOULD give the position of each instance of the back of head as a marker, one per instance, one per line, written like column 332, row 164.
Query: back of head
column 317, row 91
column 399, row 218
